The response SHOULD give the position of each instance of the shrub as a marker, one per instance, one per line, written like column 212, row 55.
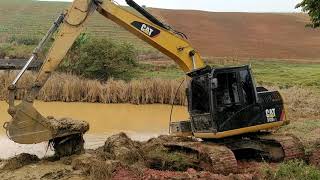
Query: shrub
column 101, row 59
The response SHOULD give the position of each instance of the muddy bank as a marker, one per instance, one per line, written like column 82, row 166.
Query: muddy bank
column 123, row 158
column 119, row 158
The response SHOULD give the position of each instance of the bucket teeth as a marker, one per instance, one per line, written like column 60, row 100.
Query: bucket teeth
column 28, row 126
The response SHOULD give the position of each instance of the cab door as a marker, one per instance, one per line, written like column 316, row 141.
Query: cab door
column 236, row 99
column 200, row 99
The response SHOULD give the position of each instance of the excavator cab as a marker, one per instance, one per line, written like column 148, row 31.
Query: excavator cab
column 224, row 102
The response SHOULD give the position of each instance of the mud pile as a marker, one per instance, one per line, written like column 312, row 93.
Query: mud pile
column 121, row 158
column 64, row 126
column 120, row 147
column 18, row 162
column 69, row 136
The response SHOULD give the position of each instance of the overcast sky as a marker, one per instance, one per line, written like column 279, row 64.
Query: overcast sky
column 221, row 5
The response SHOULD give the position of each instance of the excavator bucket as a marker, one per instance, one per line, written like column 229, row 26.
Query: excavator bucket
column 28, row 126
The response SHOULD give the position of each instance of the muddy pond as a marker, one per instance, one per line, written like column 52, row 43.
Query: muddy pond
column 140, row 122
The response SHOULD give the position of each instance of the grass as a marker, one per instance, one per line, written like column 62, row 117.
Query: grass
column 287, row 74
column 293, row 170
column 147, row 70
column 15, row 51
column 281, row 74
column 307, row 131
column 33, row 18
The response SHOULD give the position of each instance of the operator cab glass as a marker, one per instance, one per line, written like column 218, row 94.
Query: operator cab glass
column 219, row 98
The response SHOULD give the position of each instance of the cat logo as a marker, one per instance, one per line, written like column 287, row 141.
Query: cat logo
column 146, row 29
column 271, row 115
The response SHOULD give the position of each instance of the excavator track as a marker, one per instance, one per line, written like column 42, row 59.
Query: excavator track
column 214, row 157
column 291, row 145
column 221, row 156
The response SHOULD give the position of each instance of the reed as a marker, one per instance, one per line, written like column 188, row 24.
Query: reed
column 301, row 103
column 71, row 88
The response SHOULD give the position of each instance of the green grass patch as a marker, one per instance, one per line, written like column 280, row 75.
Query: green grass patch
column 15, row 51
column 279, row 74
column 155, row 71
column 32, row 18
column 293, row 170
column 287, row 74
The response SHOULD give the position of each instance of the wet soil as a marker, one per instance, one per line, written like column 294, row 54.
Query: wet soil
column 314, row 155
column 122, row 158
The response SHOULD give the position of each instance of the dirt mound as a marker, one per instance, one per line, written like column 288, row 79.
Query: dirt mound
column 69, row 135
column 18, row 162
column 121, row 147
column 123, row 158
column 64, row 126
column 96, row 168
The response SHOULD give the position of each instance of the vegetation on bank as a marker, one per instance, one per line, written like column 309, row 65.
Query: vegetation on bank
column 294, row 170
column 301, row 103
column 15, row 51
column 72, row 88
column 100, row 59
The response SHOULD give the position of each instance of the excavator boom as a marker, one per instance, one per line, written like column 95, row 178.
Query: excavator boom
column 28, row 126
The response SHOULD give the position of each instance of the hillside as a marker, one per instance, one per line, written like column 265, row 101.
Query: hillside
column 247, row 35
column 242, row 35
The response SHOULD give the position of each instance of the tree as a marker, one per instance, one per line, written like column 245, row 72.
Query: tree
column 312, row 7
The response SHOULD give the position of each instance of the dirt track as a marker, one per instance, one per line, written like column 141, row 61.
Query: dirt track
column 246, row 35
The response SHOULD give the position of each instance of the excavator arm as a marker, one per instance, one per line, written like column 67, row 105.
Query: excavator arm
column 28, row 126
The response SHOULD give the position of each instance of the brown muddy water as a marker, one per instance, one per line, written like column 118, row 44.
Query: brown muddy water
column 140, row 122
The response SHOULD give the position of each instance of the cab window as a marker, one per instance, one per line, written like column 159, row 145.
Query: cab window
column 227, row 91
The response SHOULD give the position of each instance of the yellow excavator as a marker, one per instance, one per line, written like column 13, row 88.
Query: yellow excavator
column 227, row 111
